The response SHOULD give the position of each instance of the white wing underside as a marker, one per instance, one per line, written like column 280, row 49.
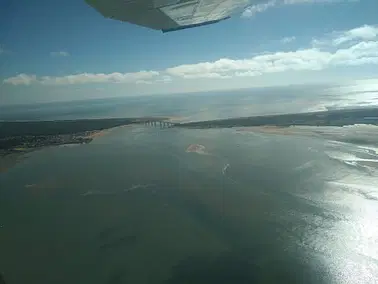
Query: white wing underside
column 169, row 15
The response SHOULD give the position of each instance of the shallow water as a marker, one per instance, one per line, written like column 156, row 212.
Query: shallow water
column 134, row 206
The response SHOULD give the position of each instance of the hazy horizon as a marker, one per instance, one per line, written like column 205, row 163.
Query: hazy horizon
column 206, row 105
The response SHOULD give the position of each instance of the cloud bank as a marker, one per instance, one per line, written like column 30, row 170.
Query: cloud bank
column 85, row 78
column 366, row 33
column 355, row 47
column 21, row 79
column 258, row 8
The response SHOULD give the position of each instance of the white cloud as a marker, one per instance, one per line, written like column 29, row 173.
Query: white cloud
column 318, row 42
column 84, row 78
column 294, row 2
column 307, row 59
column 288, row 39
column 21, row 79
column 266, row 4
column 360, row 52
column 361, row 33
column 202, row 70
column 349, row 37
column 247, row 74
column 258, row 8
column 143, row 82
column 155, row 79
column 59, row 53
column 164, row 79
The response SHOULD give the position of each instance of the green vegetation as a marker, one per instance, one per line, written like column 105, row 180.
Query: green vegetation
column 39, row 128
column 18, row 136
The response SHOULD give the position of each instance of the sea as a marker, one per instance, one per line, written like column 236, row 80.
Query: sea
column 141, row 204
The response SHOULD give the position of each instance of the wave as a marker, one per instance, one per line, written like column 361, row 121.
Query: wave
column 350, row 159
column 97, row 192
column 366, row 191
column 361, row 168
column 341, row 156
column 226, row 166
column 136, row 186
column 305, row 166
column 371, row 150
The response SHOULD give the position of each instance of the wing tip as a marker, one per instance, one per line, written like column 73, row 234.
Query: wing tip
column 194, row 25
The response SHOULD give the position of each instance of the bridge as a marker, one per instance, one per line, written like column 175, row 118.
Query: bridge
column 159, row 123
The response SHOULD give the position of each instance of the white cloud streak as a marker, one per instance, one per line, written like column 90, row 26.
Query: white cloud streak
column 258, row 8
column 295, row 2
column 59, row 54
column 84, row 78
column 21, row 79
column 361, row 33
column 351, row 37
column 266, row 4
column 363, row 51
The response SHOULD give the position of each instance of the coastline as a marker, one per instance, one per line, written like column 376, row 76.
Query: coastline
column 11, row 157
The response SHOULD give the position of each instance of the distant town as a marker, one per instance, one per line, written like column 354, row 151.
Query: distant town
column 24, row 136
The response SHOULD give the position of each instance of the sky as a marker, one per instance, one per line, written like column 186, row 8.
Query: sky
column 66, row 50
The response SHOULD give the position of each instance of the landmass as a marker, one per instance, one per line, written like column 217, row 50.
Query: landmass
column 20, row 137
column 323, row 118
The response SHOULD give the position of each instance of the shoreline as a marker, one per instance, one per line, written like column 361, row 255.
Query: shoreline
column 11, row 157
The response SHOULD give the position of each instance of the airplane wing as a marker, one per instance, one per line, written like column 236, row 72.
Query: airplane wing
column 169, row 15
